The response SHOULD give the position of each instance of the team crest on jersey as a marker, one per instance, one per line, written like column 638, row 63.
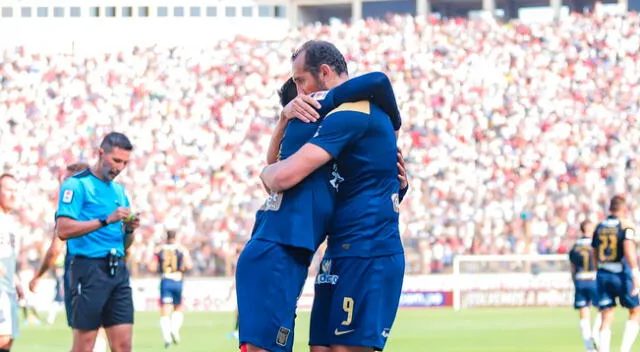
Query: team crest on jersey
column 325, row 277
column 67, row 196
column 336, row 179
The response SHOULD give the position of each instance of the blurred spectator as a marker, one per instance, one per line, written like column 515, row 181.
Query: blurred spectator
column 512, row 133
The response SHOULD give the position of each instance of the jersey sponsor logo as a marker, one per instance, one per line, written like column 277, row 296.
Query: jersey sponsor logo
column 317, row 132
column 67, row 196
column 336, row 179
column 273, row 202
column 344, row 332
column 325, row 277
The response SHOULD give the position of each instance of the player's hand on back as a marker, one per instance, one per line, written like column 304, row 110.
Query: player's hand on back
column 303, row 108
column 402, row 172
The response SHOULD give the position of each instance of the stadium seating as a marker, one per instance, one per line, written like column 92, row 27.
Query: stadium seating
column 512, row 133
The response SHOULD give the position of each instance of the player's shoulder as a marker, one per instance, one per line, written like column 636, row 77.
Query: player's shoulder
column 627, row 224
column 362, row 107
column 81, row 174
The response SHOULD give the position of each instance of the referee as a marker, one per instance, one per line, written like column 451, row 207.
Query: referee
column 94, row 217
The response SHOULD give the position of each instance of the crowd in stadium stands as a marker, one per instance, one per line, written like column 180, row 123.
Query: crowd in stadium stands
column 512, row 133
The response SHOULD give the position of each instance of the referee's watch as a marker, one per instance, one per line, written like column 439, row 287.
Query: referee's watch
column 103, row 221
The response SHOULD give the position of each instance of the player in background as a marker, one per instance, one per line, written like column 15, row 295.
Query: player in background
column 583, row 273
column 356, row 308
column 58, row 250
column 287, row 230
column 10, row 290
column 171, row 260
column 613, row 244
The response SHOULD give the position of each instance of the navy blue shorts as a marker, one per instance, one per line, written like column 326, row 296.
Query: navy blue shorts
column 99, row 299
column 356, row 301
column 68, row 306
column 170, row 292
column 586, row 293
column 269, row 279
column 615, row 285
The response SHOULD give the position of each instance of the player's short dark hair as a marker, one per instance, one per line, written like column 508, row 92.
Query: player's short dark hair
column 77, row 167
column 287, row 92
column 318, row 53
column 618, row 203
column 583, row 226
column 116, row 140
column 171, row 235
column 6, row 175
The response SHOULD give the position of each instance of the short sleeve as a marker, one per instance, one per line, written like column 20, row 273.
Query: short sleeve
column 340, row 129
column 70, row 199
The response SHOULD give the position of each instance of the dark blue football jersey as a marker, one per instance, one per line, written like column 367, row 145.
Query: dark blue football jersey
column 608, row 238
column 581, row 256
column 300, row 216
column 361, row 137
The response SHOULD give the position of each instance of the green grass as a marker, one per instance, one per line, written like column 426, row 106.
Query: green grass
column 417, row 330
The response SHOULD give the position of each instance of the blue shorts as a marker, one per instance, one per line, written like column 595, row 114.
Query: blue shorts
column 68, row 306
column 171, row 292
column 356, row 301
column 586, row 293
column 615, row 285
column 99, row 299
column 269, row 279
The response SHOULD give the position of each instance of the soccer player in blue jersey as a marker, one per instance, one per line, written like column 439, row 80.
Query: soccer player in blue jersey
column 614, row 244
column 171, row 260
column 286, row 234
column 583, row 272
column 358, row 288
column 94, row 218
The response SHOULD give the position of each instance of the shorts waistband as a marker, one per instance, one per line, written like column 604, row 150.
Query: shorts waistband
column 615, row 268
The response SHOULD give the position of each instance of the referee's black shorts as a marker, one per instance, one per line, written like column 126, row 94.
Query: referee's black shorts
column 99, row 299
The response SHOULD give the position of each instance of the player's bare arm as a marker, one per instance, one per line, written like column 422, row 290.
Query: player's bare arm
column 71, row 228
column 287, row 173
column 629, row 248
column 187, row 263
column 47, row 263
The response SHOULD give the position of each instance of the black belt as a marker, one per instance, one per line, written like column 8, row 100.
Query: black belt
column 112, row 262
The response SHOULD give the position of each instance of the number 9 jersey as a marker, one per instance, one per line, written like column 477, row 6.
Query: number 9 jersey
column 613, row 280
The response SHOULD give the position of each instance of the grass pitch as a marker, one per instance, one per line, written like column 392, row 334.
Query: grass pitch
column 415, row 330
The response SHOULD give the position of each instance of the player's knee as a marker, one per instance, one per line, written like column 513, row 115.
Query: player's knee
column 252, row 348
column 123, row 345
column 339, row 348
column 319, row 349
column 5, row 343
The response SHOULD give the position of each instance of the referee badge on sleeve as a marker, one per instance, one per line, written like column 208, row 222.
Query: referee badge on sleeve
column 67, row 196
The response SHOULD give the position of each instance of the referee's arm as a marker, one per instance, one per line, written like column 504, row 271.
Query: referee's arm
column 70, row 207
